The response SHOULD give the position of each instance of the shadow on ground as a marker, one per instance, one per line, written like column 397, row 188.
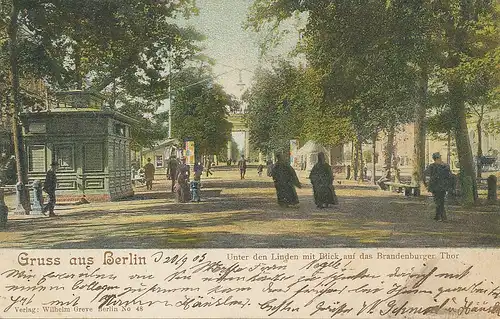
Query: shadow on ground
column 244, row 214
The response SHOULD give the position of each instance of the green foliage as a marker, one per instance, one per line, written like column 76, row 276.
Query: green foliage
column 363, row 79
column 275, row 107
column 150, row 126
column 125, row 49
column 200, row 110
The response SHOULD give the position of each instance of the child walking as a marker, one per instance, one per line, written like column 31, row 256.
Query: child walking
column 195, row 187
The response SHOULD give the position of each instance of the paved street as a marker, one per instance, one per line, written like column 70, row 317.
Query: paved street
column 236, row 213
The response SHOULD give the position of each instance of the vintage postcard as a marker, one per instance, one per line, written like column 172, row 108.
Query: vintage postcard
column 249, row 159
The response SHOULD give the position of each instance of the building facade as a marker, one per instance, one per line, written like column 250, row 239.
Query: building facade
column 91, row 144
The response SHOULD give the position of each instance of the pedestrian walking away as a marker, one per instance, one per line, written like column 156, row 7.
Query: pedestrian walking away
column 149, row 174
column 440, row 179
column 172, row 165
column 49, row 186
column 285, row 180
column 242, row 164
column 209, row 168
column 322, row 181
column 260, row 169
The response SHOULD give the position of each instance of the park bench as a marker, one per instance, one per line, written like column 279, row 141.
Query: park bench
column 407, row 189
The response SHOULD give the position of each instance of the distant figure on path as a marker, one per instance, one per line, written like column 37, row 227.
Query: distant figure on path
column 285, row 180
column 260, row 169
column 440, row 178
column 242, row 164
column 149, row 174
column 195, row 187
column 198, row 168
column 209, row 168
column 172, row 166
column 269, row 168
column 49, row 186
column 348, row 172
column 322, row 181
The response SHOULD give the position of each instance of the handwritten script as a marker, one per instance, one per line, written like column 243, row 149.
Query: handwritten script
column 317, row 283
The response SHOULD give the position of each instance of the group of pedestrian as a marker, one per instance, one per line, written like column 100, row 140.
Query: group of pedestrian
column 286, row 180
column 179, row 173
column 284, row 177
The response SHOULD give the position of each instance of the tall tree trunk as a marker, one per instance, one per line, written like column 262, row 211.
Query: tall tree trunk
column 22, row 174
column 479, row 142
column 361, row 160
column 356, row 159
column 16, row 105
column 374, row 158
column 448, row 155
column 464, row 150
column 389, row 149
column 418, row 162
column 353, row 158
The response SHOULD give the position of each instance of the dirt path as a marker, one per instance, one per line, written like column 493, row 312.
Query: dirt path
column 236, row 213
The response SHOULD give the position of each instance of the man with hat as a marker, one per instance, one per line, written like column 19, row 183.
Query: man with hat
column 49, row 186
column 439, row 182
column 149, row 174
column 172, row 166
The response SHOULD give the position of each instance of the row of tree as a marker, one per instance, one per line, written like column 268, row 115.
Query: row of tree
column 130, row 51
column 373, row 65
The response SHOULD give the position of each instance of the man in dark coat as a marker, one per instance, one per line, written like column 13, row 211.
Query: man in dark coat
column 242, row 164
column 322, row 181
column 439, row 182
column 172, row 170
column 149, row 174
column 49, row 186
column 285, row 180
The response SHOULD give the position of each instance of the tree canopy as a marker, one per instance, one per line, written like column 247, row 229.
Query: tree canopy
column 199, row 111
column 377, row 59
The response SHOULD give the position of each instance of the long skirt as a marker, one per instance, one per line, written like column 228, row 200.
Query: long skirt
column 286, row 194
column 324, row 195
column 182, row 193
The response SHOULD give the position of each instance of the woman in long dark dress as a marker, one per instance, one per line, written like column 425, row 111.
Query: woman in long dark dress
column 285, row 181
column 182, row 191
column 322, row 181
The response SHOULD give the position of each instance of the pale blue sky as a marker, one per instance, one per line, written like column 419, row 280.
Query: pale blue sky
column 228, row 43
column 231, row 46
